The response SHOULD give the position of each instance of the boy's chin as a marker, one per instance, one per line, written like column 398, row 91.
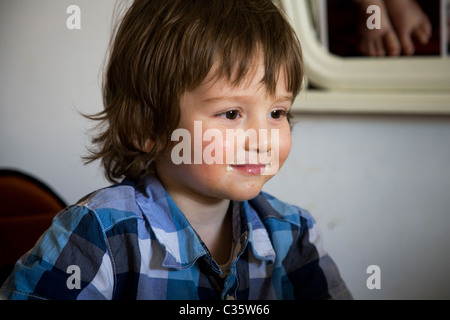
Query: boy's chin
column 248, row 190
column 244, row 195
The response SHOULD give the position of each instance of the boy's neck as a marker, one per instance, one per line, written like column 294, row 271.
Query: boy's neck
column 210, row 218
column 214, row 226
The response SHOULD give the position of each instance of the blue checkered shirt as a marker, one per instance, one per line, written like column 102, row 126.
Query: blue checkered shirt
column 130, row 241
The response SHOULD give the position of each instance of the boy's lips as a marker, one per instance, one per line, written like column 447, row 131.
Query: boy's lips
column 251, row 169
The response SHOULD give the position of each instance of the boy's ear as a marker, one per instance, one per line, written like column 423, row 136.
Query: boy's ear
column 146, row 147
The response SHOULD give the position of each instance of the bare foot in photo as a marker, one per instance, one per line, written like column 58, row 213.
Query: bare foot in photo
column 410, row 22
column 377, row 42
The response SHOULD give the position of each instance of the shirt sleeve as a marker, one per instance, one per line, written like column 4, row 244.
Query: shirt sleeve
column 312, row 273
column 70, row 261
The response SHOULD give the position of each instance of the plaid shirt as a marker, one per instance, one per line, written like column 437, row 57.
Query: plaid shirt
column 130, row 241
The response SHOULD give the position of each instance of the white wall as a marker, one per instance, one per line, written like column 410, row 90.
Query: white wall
column 378, row 185
column 48, row 75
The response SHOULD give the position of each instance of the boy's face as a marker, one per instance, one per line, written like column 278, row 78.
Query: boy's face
column 230, row 139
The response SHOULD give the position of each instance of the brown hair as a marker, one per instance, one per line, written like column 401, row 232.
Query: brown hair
column 163, row 48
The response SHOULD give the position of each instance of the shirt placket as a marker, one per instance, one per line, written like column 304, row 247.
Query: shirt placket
column 231, row 283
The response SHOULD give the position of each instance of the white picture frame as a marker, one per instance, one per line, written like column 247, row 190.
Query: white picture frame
column 418, row 85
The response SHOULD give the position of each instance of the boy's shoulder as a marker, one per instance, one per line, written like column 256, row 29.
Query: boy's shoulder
column 112, row 204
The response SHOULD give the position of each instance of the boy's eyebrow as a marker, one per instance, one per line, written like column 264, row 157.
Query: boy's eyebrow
column 246, row 98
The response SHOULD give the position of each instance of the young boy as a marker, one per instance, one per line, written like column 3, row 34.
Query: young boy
column 185, row 79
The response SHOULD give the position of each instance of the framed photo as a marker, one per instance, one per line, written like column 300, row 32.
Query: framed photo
column 339, row 79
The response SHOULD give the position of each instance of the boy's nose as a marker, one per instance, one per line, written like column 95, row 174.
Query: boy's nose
column 261, row 140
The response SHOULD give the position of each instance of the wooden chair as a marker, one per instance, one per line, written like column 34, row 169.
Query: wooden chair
column 27, row 207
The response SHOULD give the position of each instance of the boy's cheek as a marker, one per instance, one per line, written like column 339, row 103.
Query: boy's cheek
column 285, row 149
column 281, row 148
column 285, row 145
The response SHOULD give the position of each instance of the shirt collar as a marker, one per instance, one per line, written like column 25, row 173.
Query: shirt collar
column 258, row 237
column 182, row 244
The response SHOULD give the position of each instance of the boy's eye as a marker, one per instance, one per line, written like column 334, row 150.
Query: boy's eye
column 230, row 115
column 278, row 114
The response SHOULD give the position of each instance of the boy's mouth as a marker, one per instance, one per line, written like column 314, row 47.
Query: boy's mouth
column 251, row 169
